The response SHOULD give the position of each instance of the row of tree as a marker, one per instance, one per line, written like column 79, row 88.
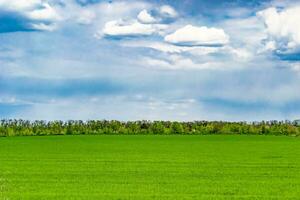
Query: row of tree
column 94, row 127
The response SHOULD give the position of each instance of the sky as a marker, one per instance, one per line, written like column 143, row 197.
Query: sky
column 183, row 60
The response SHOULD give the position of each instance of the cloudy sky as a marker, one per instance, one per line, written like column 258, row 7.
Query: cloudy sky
column 155, row 60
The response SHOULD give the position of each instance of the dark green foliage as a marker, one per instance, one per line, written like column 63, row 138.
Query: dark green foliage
column 28, row 128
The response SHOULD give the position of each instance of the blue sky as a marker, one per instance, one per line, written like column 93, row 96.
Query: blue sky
column 155, row 60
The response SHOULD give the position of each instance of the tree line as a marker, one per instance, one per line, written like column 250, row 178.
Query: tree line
column 113, row 127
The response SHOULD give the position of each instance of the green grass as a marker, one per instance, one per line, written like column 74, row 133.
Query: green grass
column 149, row 167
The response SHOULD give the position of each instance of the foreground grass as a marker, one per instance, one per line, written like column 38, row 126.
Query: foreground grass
column 149, row 167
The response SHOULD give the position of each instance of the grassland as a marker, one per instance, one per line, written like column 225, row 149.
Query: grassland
column 149, row 167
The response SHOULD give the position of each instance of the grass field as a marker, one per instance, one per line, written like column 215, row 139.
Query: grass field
column 149, row 167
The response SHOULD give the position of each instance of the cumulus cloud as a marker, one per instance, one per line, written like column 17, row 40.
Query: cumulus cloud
column 168, row 11
column 121, row 28
column 145, row 17
column 198, row 36
column 33, row 9
column 28, row 15
column 46, row 13
column 163, row 15
column 282, row 27
column 148, row 21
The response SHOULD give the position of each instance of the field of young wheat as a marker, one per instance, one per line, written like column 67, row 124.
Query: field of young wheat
column 149, row 167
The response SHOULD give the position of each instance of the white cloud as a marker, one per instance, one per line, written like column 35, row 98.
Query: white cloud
column 168, row 11
column 145, row 23
column 145, row 17
column 44, row 27
column 164, row 14
column 46, row 13
column 282, row 27
column 138, row 20
column 198, row 36
column 120, row 28
column 40, row 15
column 33, row 9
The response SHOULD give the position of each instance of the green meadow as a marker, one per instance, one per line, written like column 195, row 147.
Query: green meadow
column 149, row 167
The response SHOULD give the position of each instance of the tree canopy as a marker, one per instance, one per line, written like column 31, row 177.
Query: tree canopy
column 99, row 127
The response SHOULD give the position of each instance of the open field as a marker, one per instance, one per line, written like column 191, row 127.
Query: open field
column 149, row 167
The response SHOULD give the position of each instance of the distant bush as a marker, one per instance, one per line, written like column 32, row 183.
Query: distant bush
column 31, row 128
